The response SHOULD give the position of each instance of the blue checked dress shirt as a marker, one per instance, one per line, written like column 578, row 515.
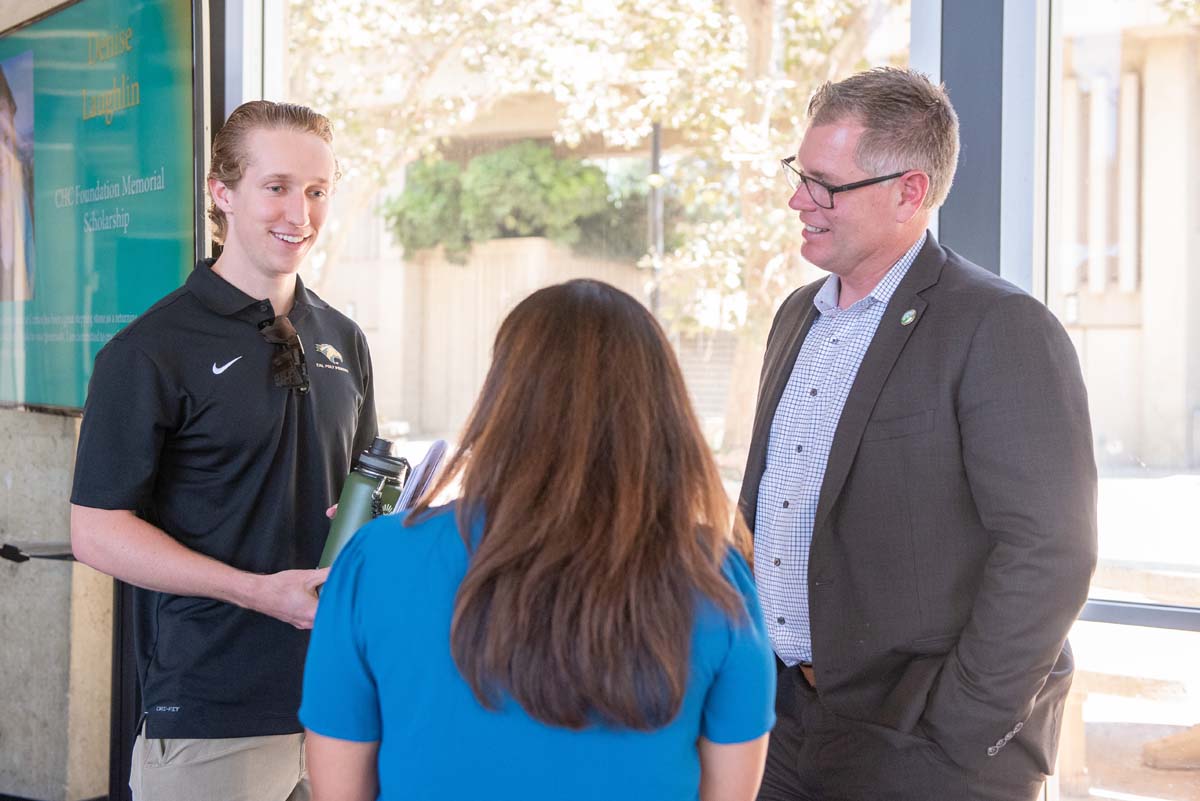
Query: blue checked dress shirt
column 798, row 450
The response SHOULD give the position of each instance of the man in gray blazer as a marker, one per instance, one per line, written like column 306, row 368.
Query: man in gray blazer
column 920, row 484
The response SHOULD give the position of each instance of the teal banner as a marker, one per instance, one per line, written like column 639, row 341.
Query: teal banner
column 96, row 188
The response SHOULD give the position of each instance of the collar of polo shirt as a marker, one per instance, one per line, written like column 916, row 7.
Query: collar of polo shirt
column 227, row 300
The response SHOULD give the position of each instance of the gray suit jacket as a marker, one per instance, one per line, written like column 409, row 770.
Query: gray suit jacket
column 955, row 536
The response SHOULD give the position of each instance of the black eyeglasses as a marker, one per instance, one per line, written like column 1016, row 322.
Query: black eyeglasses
column 821, row 192
column 288, row 367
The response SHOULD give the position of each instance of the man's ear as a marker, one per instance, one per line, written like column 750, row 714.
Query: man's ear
column 221, row 195
column 914, row 186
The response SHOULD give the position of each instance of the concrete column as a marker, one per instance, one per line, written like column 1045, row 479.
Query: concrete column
column 1170, row 376
column 55, row 624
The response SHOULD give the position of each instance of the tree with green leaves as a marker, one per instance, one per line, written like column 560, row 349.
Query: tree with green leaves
column 520, row 190
column 727, row 79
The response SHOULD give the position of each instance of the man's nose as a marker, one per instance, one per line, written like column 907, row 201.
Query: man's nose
column 297, row 210
column 801, row 200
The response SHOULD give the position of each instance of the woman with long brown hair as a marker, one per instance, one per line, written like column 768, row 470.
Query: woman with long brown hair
column 580, row 623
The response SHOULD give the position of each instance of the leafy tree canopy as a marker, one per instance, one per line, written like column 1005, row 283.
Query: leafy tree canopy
column 523, row 189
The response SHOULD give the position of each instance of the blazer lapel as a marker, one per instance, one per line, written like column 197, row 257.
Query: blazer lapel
column 780, row 372
column 890, row 339
column 776, row 373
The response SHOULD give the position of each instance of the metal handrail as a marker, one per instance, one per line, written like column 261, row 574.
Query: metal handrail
column 23, row 552
column 1128, row 613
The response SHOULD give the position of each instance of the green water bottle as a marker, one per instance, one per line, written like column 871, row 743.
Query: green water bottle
column 371, row 490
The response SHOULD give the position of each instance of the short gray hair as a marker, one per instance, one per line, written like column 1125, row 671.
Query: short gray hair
column 910, row 124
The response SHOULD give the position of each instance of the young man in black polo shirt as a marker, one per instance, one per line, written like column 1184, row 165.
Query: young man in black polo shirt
column 219, row 426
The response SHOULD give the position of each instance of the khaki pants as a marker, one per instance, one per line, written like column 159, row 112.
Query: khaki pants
column 235, row 769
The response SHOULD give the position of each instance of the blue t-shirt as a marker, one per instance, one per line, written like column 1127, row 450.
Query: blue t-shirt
column 379, row 669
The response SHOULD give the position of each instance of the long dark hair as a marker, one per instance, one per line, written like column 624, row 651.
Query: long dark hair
column 604, row 516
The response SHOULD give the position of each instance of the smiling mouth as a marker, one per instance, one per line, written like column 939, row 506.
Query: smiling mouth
column 812, row 229
column 293, row 240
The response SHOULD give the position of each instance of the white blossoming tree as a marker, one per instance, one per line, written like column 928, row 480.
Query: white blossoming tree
column 727, row 80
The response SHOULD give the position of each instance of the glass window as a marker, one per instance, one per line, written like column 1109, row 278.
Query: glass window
column 503, row 146
column 1122, row 277
column 1129, row 728
column 1123, row 251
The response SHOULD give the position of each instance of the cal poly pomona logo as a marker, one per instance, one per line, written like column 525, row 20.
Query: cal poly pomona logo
column 333, row 356
column 330, row 352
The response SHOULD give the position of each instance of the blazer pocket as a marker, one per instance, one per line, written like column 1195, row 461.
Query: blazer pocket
column 936, row 645
column 896, row 427
column 906, row 701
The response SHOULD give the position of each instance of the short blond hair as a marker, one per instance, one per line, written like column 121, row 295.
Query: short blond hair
column 229, row 155
column 909, row 124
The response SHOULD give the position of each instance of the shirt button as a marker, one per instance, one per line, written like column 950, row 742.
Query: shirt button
column 813, row 392
column 786, row 504
column 799, row 449
column 781, row 621
column 777, row 561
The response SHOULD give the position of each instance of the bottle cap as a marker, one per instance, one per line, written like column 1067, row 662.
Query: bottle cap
column 378, row 459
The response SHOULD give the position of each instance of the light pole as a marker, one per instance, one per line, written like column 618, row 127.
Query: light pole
column 654, row 209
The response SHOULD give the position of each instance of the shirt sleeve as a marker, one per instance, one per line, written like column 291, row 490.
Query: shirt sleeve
column 340, row 696
column 368, row 426
column 131, row 408
column 740, row 704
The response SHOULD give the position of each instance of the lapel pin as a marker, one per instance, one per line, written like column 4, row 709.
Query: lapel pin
column 908, row 317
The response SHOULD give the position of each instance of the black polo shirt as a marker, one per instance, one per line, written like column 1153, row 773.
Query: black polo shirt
column 184, row 425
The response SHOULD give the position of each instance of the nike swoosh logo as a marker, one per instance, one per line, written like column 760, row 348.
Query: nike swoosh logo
column 224, row 367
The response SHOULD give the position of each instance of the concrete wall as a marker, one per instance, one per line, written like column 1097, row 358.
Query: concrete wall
column 430, row 324
column 55, row 625
column 1170, row 246
column 460, row 308
column 1136, row 325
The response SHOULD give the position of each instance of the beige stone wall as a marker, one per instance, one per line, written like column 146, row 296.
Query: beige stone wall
column 55, row 624
column 1136, row 327
column 430, row 324
column 1171, row 247
column 35, row 607
column 89, row 684
column 459, row 309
